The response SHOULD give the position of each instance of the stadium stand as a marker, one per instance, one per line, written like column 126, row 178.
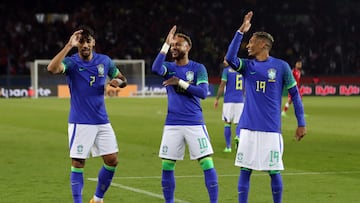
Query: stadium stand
column 325, row 37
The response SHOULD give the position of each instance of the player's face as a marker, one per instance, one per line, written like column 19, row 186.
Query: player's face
column 298, row 65
column 255, row 46
column 179, row 48
column 86, row 45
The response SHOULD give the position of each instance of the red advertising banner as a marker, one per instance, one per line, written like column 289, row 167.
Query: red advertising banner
column 330, row 90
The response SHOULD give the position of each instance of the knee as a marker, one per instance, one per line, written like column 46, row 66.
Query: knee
column 78, row 163
column 206, row 163
column 111, row 159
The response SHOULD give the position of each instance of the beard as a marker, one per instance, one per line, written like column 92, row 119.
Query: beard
column 178, row 56
column 85, row 54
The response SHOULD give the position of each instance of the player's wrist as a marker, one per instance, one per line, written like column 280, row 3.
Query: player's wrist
column 240, row 32
column 183, row 84
column 165, row 48
column 121, row 82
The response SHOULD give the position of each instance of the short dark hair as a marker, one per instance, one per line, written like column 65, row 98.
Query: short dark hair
column 87, row 31
column 299, row 60
column 266, row 36
column 184, row 36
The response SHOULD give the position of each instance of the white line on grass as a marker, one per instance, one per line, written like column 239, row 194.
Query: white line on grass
column 259, row 174
column 151, row 194
column 160, row 196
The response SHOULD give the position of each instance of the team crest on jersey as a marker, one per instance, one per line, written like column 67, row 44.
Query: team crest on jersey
column 271, row 75
column 101, row 69
column 190, row 76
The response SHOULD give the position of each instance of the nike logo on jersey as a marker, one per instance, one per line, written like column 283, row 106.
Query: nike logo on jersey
column 81, row 69
column 252, row 72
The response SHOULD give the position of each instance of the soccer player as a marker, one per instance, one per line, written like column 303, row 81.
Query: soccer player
column 186, row 82
column 297, row 74
column 231, row 87
column 89, row 128
column 261, row 143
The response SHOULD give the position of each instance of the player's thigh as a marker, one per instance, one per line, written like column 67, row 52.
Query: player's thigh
column 198, row 141
column 172, row 143
column 260, row 150
column 105, row 141
column 81, row 139
column 272, row 144
column 271, row 151
column 237, row 111
column 226, row 112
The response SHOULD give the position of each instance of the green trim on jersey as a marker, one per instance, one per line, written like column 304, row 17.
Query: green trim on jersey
column 63, row 71
column 202, row 81
column 240, row 65
column 165, row 70
column 115, row 73
column 291, row 85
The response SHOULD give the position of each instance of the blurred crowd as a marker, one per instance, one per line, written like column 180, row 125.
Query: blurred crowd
column 324, row 34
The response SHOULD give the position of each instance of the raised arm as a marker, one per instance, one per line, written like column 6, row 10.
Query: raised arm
column 245, row 26
column 55, row 65
column 157, row 66
column 231, row 55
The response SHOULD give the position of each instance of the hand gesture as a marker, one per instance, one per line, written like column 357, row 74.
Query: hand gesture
column 75, row 38
column 171, row 81
column 246, row 23
column 170, row 36
column 300, row 133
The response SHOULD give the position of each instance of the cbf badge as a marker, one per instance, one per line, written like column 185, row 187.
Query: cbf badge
column 271, row 75
column 190, row 76
column 100, row 69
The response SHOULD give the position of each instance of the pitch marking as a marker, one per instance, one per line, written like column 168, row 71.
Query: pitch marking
column 236, row 175
column 160, row 196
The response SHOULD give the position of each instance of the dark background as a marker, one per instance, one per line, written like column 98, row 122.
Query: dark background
column 325, row 34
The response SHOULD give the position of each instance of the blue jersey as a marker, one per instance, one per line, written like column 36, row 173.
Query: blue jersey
column 234, row 86
column 87, row 80
column 264, row 83
column 183, row 107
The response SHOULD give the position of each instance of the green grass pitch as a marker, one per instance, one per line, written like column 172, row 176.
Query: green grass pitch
column 324, row 167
